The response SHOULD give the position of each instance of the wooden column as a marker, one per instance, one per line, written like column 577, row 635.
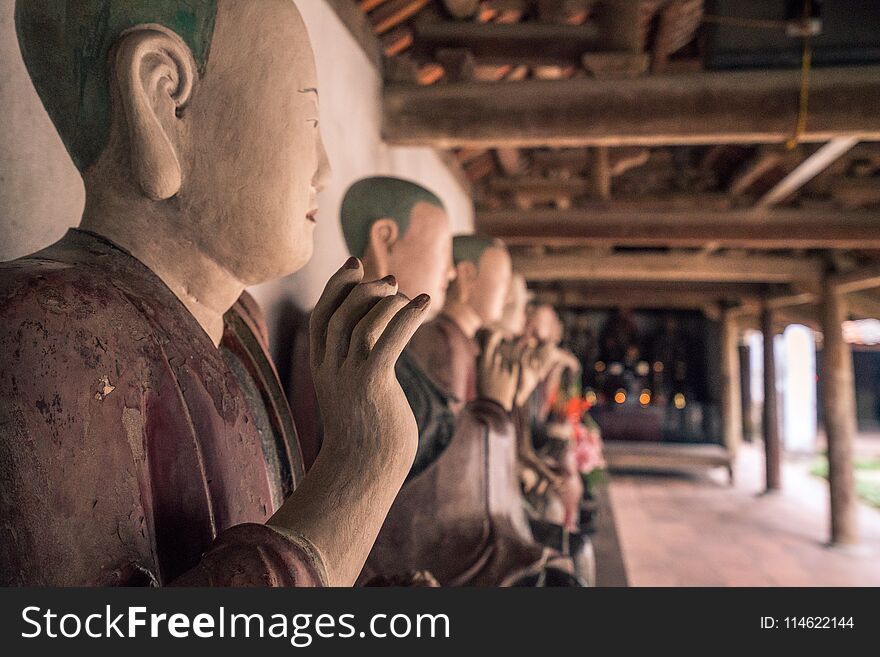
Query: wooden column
column 731, row 397
column 772, row 445
column 838, row 402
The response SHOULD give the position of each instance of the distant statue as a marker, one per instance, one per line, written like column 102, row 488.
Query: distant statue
column 399, row 229
column 463, row 517
column 143, row 435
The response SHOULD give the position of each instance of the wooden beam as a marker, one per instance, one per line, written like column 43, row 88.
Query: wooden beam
column 366, row 5
column 520, row 43
column 628, row 224
column 807, row 170
column 667, row 267
column 863, row 306
column 391, row 14
column 856, row 280
column 764, row 161
column 456, row 169
column 703, row 108
column 856, row 192
column 639, row 295
column 539, row 188
column 838, row 401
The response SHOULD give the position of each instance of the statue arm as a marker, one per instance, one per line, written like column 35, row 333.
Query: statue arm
column 252, row 555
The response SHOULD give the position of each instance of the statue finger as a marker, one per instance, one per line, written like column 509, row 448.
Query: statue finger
column 335, row 292
column 367, row 332
column 491, row 348
column 359, row 302
column 399, row 331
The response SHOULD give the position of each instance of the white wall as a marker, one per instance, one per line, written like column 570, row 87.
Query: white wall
column 41, row 193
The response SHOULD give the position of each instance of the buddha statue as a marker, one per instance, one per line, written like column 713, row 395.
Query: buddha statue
column 462, row 516
column 143, row 435
column 400, row 230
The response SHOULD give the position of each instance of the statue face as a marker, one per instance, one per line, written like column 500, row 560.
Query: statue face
column 422, row 259
column 543, row 324
column 513, row 317
column 489, row 290
column 255, row 159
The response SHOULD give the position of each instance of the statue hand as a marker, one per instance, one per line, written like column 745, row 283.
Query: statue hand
column 357, row 332
column 535, row 364
column 497, row 374
column 570, row 361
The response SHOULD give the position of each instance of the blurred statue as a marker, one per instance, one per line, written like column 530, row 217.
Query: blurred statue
column 460, row 514
column 513, row 317
column 144, row 437
column 402, row 233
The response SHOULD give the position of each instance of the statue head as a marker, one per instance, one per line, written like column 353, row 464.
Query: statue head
column 398, row 227
column 198, row 118
column 543, row 324
column 513, row 315
column 483, row 271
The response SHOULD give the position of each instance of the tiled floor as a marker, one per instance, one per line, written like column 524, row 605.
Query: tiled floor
column 697, row 531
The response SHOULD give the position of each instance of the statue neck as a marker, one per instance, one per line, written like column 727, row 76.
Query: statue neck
column 373, row 269
column 464, row 316
column 204, row 287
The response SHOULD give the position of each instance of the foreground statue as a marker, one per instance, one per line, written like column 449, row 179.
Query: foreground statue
column 143, row 436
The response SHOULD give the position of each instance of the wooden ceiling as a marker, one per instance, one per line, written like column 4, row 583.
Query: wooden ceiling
column 601, row 146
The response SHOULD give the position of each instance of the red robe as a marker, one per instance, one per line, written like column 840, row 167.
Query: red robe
column 132, row 450
column 462, row 517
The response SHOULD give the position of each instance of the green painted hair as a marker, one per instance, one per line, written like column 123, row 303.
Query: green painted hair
column 66, row 46
column 470, row 248
column 379, row 197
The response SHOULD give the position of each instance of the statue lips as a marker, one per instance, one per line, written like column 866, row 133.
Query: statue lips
column 312, row 215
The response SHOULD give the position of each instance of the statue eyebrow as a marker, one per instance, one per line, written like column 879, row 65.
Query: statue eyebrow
column 308, row 90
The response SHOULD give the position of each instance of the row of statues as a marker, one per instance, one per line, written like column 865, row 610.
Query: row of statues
column 145, row 438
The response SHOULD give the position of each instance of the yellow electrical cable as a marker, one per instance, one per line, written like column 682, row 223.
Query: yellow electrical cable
column 806, row 62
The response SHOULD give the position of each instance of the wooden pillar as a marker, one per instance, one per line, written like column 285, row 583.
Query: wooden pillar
column 731, row 396
column 601, row 173
column 838, row 402
column 772, row 444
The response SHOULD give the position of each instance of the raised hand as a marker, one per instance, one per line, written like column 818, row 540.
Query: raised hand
column 357, row 333
column 497, row 372
column 535, row 361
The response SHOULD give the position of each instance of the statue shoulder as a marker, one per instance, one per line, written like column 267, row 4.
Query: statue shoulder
column 72, row 421
column 71, row 298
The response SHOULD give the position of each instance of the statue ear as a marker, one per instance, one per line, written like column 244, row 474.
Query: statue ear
column 384, row 234
column 154, row 70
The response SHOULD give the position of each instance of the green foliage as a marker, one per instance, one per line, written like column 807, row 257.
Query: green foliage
column 867, row 479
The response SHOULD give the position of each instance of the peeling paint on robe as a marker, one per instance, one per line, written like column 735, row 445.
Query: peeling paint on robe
column 132, row 451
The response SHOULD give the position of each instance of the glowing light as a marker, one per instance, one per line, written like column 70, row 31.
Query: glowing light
column 645, row 397
column 679, row 401
column 600, row 366
column 591, row 398
column 620, row 396
column 658, row 367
